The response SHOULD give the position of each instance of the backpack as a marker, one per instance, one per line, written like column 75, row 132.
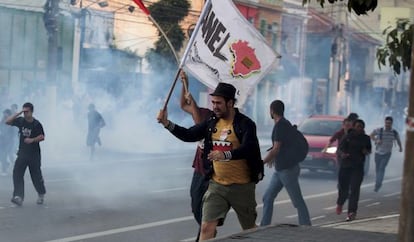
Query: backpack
column 300, row 146
column 382, row 130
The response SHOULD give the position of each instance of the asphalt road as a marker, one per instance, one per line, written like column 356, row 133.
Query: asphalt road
column 145, row 197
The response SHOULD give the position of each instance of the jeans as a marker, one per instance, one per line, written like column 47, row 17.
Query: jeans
column 381, row 161
column 349, row 182
column 288, row 178
column 35, row 173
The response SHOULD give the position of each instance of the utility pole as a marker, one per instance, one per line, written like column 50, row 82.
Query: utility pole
column 406, row 225
column 51, row 24
column 78, row 39
column 335, row 69
column 347, row 78
column 50, row 19
column 336, row 60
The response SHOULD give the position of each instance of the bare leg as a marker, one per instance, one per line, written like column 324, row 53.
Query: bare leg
column 208, row 230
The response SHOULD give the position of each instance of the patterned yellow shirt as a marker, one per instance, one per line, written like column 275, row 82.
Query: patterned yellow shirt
column 230, row 171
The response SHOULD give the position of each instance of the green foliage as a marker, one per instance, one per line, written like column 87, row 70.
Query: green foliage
column 397, row 48
column 168, row 14
column 358, row 6
column 169, row 11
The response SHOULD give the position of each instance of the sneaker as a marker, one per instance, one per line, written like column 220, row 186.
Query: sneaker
column 338, row 209
column 351, row 216
column 17, row 200
column 376, row 189
column 40, row 199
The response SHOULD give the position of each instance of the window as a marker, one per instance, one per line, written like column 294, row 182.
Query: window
column 297, row 39
column 274, row 31
column 263, row 27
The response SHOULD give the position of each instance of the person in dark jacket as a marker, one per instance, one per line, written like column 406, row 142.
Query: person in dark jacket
column 353, row 147
column 232, row 158
column 95, row 123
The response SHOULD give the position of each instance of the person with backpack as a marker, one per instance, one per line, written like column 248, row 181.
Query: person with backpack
column 353, row 149
column 384, row 138
column 231, row 158
column 289, row 148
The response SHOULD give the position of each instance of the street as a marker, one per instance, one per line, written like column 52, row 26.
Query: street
column 145, row 197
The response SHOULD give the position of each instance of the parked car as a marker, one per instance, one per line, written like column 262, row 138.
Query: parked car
column 317, row 130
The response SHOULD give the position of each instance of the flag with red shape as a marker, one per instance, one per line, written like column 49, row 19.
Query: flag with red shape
column 227, row 48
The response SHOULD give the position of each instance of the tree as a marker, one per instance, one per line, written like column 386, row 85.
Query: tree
column 358, row 6
column 396, row 51
column 168, row 14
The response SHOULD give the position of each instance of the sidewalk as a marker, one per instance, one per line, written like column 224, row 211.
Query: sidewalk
column 377, row 229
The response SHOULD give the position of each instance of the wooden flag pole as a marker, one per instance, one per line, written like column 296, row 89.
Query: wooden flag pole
column 171, row 89
column 187, row 50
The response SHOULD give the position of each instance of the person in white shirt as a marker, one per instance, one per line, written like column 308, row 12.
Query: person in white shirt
column 384, row 138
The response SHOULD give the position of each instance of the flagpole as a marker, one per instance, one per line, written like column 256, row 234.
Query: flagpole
column 165, row 37
column 145, row 10
column 194, row 34
column 187, row 50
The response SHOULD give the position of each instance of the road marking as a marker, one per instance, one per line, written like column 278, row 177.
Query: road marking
column 365, row 200
column 88, row 163
column 189, row 239
column 334, row 207
column 335, row 192
column 122, row 230
column 330, row 208
column 373, row 204
column 59, row 180
column 170, row 190
column 392, row 194
column 292, row 216
column 182, row 219
column 386, row 181
column 389, row 216
column 360, row 220
column 318, row 217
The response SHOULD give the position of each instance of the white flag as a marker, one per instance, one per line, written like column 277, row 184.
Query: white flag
column 227, row 48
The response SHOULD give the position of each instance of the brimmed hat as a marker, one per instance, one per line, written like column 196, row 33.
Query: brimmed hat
column 225, row 90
